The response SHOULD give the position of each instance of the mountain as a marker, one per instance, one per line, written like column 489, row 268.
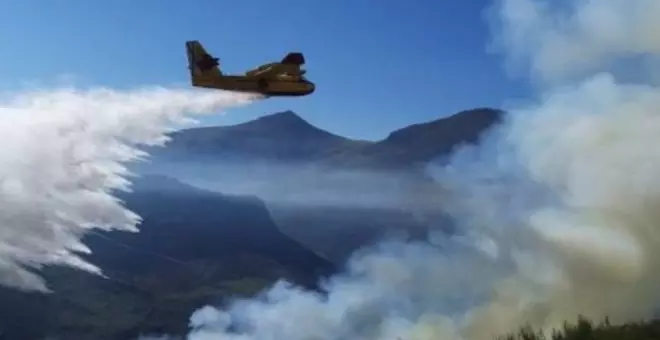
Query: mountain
column 194, row 247
column 420, row 143
column 286, row 137
column 330, row 193
column 282, row 136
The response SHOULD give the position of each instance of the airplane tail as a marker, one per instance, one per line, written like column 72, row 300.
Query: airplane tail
column 200, row 62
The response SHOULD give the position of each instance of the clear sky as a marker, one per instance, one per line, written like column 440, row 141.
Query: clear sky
column 378, row 64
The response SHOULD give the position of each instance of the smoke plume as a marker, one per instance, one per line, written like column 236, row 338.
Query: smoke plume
column 63, row 155
column 559, row 204
column 567, row 40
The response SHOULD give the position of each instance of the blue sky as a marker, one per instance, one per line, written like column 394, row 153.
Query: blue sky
column 379, row 64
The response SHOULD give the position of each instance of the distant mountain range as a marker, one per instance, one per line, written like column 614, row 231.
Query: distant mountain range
column 331, row 193
column 286, row 137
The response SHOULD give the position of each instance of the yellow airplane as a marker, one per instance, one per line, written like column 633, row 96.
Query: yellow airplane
column 284, row 78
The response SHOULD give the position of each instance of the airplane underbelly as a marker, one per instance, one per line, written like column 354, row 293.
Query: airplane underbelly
column 228, row 83
column 289, row 87
column 268, row 87
column 274, row 87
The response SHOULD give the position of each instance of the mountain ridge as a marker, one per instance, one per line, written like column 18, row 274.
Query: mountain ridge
column 282, row 136
column 289, row 118
column 268, row 136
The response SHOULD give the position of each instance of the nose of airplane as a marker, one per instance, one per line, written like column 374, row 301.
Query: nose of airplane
column 311, row 87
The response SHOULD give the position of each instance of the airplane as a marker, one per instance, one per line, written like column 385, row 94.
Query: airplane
column 283, row 78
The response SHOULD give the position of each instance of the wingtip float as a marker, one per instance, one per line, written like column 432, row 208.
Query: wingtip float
column 276, row 79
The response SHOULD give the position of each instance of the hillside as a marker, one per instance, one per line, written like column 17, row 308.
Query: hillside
column 585, row 329
column 194, row 247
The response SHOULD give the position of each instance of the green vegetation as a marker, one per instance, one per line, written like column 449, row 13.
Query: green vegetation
column 585, row 329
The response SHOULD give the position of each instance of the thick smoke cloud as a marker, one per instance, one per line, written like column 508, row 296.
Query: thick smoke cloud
column 62, row 155
column 571, row 202
column 559, row 205
column 567, row 40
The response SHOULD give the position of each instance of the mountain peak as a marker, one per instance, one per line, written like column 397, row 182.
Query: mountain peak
column 282, row 135
column 464, row 123
column 286, row 123
column 421, row 143
column 287, row 114
column 285, row 119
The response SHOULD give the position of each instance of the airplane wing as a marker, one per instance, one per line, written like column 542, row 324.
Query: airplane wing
column 289, row 65
column 293, row 58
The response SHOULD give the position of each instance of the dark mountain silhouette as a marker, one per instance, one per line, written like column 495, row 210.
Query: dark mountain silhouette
column 194, row 247
column 442, row 134
column 286, row 137
column 282, row 136
column 420, row 143
column 330, row 193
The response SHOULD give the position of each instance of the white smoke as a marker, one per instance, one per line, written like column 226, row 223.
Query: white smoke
column 560, row 205
column 563, row 40
column 62, row 155
column 576, row 213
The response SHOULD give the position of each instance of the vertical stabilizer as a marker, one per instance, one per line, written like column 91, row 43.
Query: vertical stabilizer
column 200, row 62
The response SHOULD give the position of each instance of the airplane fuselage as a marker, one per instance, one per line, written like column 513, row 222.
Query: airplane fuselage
column 276, row 68
column 269, row 87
